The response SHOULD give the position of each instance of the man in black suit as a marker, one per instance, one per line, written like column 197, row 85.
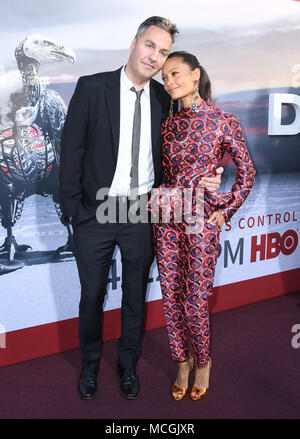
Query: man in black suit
column 99, row 149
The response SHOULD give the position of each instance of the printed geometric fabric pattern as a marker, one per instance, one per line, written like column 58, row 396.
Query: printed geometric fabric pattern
column 194, row 142
column 186, row 265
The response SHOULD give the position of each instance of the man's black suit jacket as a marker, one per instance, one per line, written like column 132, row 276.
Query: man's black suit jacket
column 90, row 141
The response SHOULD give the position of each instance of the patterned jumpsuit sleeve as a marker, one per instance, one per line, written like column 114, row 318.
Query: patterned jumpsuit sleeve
column 194, row 143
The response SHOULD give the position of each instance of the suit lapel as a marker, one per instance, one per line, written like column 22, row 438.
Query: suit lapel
column 156, row 115
column 112, row 93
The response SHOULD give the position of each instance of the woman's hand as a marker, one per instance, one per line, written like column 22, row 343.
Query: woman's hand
column 212, row 184
column 217, row 214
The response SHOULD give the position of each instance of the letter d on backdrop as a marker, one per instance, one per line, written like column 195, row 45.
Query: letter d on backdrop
column 275, row 128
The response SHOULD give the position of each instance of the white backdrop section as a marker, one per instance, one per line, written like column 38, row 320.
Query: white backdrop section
column 46, row 290
column 273, row 206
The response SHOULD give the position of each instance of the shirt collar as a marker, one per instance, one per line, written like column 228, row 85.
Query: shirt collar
column 126, row 84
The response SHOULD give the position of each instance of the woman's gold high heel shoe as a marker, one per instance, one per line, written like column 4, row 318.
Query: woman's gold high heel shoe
column 179, row 393
column 199, row 393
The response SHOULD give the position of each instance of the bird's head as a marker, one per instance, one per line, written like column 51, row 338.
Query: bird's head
column 45, row 50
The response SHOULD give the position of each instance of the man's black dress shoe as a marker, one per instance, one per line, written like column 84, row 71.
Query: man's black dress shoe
column 87, row 383
column 129, row 384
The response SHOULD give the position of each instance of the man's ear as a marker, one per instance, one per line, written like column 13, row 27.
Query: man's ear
column 132, row 45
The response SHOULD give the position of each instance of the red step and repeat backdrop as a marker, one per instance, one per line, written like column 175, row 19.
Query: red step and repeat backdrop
column 254, row 65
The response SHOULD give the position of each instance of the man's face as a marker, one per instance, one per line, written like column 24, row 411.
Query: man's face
column 149, row 52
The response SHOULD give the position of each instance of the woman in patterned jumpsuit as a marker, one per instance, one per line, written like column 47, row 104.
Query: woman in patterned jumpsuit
column 194, row 142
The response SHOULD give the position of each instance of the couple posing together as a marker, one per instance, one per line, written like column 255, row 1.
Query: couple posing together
column 124, row 131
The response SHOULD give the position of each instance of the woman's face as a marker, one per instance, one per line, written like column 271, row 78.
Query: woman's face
column 178, row 78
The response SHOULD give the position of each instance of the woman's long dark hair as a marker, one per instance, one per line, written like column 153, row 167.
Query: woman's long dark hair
column 192, row 61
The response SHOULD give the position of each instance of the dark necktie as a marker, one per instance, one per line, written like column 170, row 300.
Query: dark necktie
column 136, row 134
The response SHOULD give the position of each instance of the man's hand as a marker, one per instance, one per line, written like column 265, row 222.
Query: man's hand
column 212, row 184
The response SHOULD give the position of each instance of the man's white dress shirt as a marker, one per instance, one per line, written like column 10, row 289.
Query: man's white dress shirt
column 121, row 181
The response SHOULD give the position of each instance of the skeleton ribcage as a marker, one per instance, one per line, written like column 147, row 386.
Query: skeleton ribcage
column 25, row 155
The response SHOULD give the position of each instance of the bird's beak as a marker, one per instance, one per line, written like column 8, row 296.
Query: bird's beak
column 65, row 54
column 70, row 55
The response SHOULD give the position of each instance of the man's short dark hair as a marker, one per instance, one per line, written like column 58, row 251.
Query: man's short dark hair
column 161, row 22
